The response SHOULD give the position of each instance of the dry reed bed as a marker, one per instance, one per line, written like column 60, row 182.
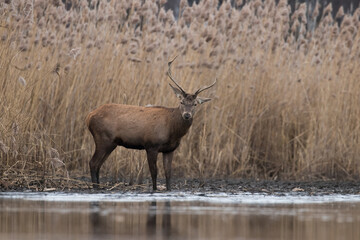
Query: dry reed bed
column 286, row 104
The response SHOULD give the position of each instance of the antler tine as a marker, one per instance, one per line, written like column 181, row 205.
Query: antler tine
column 204, row 88
column 172, row 79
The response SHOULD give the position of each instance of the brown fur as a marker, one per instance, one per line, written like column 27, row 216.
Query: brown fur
column 138, row 127
column 155, row 129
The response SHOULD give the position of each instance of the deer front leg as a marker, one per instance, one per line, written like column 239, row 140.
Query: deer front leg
column 152, row 158
column 167, row 159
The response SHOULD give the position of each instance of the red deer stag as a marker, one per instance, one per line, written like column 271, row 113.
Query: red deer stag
column 155, row 129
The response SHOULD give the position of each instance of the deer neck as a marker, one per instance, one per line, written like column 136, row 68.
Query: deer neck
column 179, row 125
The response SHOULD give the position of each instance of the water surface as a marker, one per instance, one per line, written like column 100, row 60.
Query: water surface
column 178, row 215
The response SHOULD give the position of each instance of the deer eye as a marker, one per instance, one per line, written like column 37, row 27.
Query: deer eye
column 182, row 103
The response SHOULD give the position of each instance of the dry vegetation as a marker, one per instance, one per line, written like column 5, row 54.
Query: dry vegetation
column 286, row 105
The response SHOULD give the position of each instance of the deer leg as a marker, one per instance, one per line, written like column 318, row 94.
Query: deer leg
column 167, row 159
column 152, row 157
column 99, row 157
column 94, row 166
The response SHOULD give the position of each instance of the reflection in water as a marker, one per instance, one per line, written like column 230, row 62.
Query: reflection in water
column 151, row 222
column 166, row 222
column 97, row 224
column 158, row 220
column 23, row 219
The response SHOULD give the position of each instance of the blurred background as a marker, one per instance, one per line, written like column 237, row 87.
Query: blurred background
column 286, row 105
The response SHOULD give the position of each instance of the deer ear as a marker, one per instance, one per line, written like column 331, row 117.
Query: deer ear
column 202, row 100
column 177, row 92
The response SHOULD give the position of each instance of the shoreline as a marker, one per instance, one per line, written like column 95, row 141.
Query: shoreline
column 268, row 187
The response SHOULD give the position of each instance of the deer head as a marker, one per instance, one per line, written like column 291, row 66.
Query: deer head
column 188, row 102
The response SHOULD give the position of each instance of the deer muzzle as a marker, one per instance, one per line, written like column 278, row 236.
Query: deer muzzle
column 187, row 115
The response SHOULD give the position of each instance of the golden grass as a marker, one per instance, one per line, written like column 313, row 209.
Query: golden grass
column 286, row 105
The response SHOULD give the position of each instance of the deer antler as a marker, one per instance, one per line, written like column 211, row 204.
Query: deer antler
column 172, row 79
column 204, row 88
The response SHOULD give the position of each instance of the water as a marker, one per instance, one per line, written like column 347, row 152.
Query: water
column 178, row 215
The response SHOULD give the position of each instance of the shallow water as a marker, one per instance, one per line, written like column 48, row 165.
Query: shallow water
column 178, row 215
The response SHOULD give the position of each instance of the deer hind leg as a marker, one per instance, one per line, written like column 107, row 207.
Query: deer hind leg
column 102, row 152
column 152, row 158
column 167, row 159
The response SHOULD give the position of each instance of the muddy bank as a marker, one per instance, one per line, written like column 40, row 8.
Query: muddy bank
column 279, row 187
column 265, row 186
column 83, row 185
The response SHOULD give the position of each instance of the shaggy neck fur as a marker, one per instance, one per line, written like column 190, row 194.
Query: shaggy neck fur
column 179, row 126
